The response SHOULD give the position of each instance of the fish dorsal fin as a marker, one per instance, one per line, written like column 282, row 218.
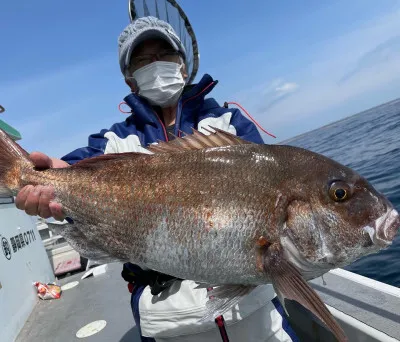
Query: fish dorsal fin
column 198, row 141
column 99, row 160
column 195, row 141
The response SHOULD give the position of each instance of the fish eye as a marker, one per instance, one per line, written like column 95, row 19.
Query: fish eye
column 339, row 191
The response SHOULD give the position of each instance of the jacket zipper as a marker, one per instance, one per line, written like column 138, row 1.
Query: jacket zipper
column 180, row 113
column 162, row 126
column 187, row 100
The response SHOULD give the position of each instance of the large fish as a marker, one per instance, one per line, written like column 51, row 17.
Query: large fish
column 217, row 210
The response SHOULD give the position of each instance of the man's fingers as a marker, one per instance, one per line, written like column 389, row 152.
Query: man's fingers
column 37, row 201
column 40, row 160
column 32, row 201
column 58, row 163
column 56, row 211
column 46, row 195
column 22, row 195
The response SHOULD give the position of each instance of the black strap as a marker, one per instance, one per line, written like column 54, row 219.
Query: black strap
column 222, row 330
column 160, row 282
column 157, row 282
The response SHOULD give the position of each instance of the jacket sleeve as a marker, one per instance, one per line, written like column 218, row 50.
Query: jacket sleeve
column 96, row 146
column 245, row 129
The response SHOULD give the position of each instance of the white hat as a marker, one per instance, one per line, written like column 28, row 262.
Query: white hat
column 142, row 29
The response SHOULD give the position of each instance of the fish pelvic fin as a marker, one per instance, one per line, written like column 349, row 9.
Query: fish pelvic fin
column 12, row 159
column 197, row 141
column 289, row 284
column 222, row 298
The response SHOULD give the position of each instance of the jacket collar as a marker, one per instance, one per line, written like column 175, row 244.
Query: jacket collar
column 192, row 97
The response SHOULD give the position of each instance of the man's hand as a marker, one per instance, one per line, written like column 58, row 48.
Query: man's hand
column 36, row 200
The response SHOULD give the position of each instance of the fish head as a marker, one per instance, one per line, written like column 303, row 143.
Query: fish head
column 333, row 217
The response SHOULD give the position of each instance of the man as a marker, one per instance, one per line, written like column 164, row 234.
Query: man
column 152, row 60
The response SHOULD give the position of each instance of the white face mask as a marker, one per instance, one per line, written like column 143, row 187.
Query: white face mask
column 161, row 83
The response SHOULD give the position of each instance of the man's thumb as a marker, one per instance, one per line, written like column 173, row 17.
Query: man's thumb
column 40, row 160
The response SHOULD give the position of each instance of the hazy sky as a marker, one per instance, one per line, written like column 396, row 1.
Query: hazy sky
column 294, row 66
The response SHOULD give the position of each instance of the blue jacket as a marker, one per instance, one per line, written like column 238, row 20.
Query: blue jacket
column 143, row 126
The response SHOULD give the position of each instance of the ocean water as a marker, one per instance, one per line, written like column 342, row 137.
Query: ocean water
column 369, row 143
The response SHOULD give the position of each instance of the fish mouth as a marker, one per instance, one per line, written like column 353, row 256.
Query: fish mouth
column 383, row 230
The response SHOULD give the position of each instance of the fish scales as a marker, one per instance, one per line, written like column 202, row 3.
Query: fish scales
column 175, row 213
column 186, row 213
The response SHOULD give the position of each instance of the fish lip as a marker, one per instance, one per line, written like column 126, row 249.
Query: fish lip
column 383, row 230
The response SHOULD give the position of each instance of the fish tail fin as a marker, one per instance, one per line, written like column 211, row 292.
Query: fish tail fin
column 12, row 159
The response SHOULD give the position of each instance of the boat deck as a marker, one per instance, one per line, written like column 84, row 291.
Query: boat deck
column 367, row 310
column 104, row 297
column 377, row 307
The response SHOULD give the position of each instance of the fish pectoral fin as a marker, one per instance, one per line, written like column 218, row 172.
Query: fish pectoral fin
column 223, row 298
column 289, row 283
column 281, row 298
